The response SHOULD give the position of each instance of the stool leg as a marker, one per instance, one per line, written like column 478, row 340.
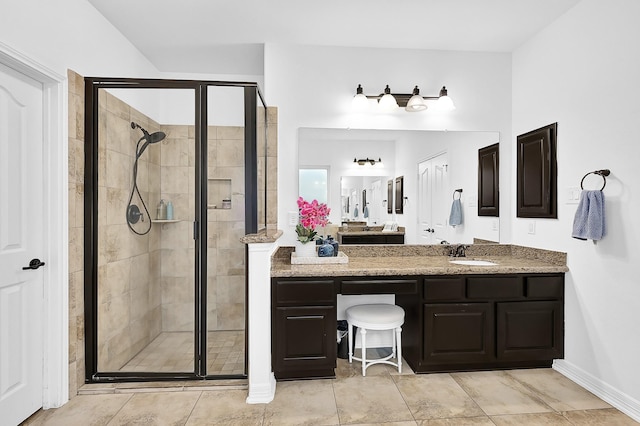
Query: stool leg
column 399, row 343
column 363, row 334
column 393, row 346
column 350, row 343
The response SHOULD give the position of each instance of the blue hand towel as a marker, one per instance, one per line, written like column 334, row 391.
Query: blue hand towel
column 589, row 220
column 355, row 211
column 365, row 212
column 455, row 218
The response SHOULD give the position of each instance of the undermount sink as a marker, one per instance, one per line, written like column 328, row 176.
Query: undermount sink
column 473, row 262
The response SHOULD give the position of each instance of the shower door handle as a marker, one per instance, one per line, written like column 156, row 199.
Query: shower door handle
column 34, row 264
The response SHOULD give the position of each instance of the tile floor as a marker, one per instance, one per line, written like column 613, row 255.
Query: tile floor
column 173, row 352
column 515, row 397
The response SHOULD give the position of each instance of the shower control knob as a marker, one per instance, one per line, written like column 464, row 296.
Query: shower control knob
column 34, row 264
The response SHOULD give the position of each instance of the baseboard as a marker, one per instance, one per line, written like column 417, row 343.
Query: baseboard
column 604, row 391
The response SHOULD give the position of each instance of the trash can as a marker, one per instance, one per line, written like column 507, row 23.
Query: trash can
column 343, row 339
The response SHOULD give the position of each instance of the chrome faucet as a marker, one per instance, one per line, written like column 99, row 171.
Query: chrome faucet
column 458, row 251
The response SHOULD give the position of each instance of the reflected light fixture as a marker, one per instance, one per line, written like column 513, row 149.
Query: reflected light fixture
column 413, row 102
column 368, row 160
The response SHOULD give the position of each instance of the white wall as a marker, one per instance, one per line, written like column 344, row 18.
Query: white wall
column 583, row 71
column 313, row 86
column 70, row 34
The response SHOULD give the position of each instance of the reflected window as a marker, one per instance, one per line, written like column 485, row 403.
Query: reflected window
column 313, row 184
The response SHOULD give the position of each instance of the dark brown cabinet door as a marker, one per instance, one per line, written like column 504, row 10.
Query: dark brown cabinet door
column 537, row 173
column 529, row 331
column 458, row 333
column 488, row 181
column 304, row 341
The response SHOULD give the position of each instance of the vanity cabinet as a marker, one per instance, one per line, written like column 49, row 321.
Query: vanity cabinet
column 452, row 322
column 303, row 328
column 372, row 239
column 486, row 321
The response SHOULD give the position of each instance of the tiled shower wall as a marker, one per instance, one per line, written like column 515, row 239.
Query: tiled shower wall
column 225, row 257
column 76, row 230
column 76, row 225
column 129, row 302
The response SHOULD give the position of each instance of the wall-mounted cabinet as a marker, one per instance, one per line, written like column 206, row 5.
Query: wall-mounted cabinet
column 488, row 181
column 537, row 173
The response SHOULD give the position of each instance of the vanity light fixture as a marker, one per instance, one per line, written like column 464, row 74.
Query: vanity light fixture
column 362, row 162
column 413, row 102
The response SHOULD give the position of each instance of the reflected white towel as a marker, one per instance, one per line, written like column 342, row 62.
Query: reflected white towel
column 455, row 218
column 588, row 222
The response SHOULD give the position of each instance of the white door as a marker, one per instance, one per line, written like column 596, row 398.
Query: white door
column 432, row 203
column 21, row 229
column 440, row 199
column 375, row 202
column 425, row 233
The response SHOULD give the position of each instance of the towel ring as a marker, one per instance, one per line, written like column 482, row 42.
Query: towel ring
column 602, row 173
column 454, row 193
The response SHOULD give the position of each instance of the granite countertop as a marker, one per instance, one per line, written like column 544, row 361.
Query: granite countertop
column 424, row 260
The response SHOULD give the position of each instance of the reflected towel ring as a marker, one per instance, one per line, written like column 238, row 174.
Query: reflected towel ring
column 602, row 173
column 454, row 193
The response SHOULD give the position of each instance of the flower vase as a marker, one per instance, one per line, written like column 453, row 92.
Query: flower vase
column 306, row 249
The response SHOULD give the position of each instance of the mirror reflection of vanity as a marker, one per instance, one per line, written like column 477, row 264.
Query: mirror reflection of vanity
column 433, row 165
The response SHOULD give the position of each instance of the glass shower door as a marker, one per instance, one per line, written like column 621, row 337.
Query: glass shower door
column 225, row 328
column 146, row 250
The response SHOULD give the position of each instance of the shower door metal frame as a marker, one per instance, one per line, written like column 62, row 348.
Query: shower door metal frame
column 200, row 87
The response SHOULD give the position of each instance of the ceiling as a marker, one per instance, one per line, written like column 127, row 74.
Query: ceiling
column 227, row 36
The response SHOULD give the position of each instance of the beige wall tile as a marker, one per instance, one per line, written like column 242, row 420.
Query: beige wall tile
column 230, row 132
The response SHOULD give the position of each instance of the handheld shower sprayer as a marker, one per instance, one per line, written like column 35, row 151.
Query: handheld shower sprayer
column 133, row 213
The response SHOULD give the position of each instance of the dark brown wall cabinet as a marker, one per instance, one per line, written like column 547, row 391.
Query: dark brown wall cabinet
column 399, row 195
column 537, row 173
column 488, row 181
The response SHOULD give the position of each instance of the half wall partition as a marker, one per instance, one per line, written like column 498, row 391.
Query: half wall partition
column 175, row 175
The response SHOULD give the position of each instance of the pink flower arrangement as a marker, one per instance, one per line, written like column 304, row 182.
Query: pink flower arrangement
column 312, row 215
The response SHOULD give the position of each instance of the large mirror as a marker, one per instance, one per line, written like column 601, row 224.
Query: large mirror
column 361, row 168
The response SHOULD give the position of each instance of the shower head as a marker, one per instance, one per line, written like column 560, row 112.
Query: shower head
column 149, row 138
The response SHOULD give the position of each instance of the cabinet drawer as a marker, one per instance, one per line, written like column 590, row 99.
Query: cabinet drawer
column 494, row 288
column 545, row 287
column 439, row 289
column 409, row 286
column 305, row 292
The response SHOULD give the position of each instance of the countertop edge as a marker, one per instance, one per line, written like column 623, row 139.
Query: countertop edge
column 268, row 236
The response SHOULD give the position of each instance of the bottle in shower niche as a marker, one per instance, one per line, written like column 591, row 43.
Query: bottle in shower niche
column 169, row 210
column 161, row 211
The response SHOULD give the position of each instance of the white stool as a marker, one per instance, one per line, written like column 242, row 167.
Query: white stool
column 376, row 317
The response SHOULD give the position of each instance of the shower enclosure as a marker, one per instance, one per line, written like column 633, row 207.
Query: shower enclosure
column 175, row 175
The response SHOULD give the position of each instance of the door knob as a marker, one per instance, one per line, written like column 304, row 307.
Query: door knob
column 430, row 230
column 34, row 264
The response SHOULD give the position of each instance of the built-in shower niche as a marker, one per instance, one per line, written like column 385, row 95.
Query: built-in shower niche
column 219, row 193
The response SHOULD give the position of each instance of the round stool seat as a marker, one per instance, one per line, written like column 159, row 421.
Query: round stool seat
column 375, row 316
